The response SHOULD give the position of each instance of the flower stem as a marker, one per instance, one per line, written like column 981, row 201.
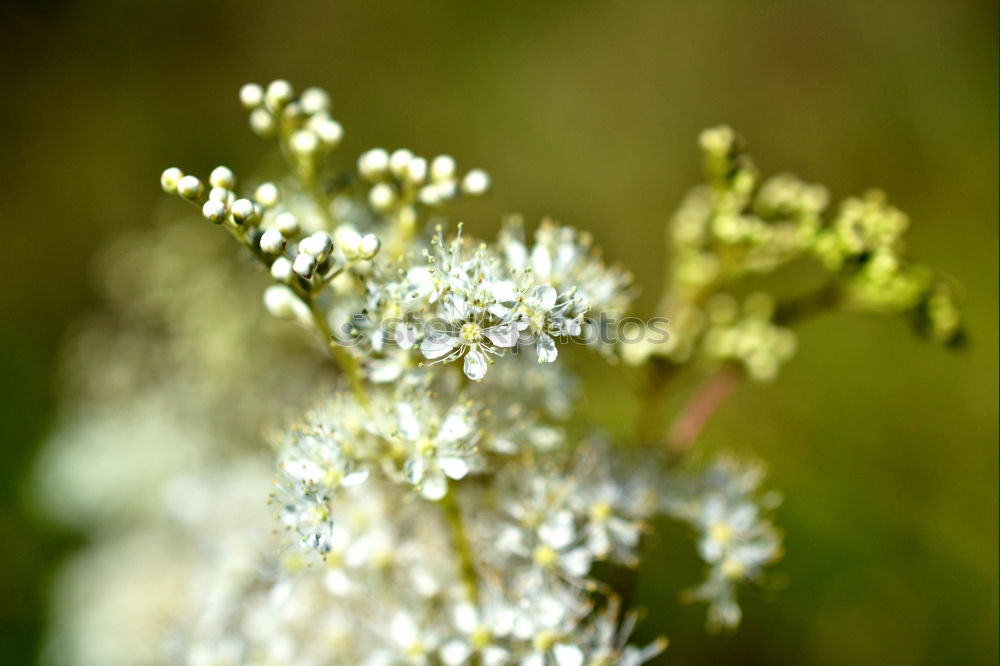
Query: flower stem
column 466, row 563
column 344, row 359
column 693, row 416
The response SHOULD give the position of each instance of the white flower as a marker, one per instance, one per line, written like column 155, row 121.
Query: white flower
column 438, row 450
column 467, row 336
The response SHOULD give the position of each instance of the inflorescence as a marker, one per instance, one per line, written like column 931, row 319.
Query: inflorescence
column 443, row 502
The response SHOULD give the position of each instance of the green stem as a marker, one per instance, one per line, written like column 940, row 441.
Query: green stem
column 466, row 563
column 348, row 363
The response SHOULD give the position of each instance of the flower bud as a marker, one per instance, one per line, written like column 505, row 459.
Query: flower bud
column 372, row 164
column 398, row 161
column 280, row 301
column 329, row 132
column 348, row 240
column 222, row 177
column 382, row 197
column 314, row 100
column 287, row 224
column 215, row 211
column 169, row 179
column 267, row 194
column 304, row 265
column 244, row 211
column 416, row 170
column 272, row 242
column 476, row 183
column 281, row 269
column 368, row 246
column 262, row 122
column 442, row 167
column 303, row 143
column 318, row 245
column 279, row 93
column 219, row 194
column 251, row 96
column 190, row 188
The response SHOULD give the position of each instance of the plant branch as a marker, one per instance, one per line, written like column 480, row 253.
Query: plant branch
column 693, row 416
column 466, row 563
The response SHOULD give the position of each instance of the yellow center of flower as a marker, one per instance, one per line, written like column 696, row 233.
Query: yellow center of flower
column 471, row 332
column 600, row 512
column 544, row 641
column 733, row 568
column 480, row 638
column 426, row 447
column 545, row 556
column 721, row 532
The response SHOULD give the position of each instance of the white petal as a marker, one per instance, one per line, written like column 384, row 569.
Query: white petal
column 504, row 290
column 455, row 308
column 546, row 348
column 541, row 262
column 545, row 296
column 437, row 345
column 475, row 365
column 465, row 616
column 403, row 630
column 558, row 531
column 455, row 652
column 407, row 421
column 577, row 562
column 503, row 335
column 355, row 478
column 567, row 655
column 415, row 470
column 456, row 426
column 454, row 468
column 434, row 485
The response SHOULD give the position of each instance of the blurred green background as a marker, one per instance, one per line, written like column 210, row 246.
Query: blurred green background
column 884, row 447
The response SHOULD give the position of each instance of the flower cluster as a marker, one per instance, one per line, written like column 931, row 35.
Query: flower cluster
column 435, row 506
column 736, row 537
column 736, row 227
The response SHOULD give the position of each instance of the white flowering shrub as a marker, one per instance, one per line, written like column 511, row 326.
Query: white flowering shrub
column 441, row 501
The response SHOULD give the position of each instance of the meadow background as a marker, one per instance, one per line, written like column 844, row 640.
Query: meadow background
column 587, row 110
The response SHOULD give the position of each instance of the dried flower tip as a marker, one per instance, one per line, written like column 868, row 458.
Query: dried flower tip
column 272, row 242
column 372, row 164
column 215, row 211
column 251, row 96
column 476, row 183
column 169, row 179
column 190, row 188
column 442, row 168
column 304, row 265
column 244, row 211
column 267, row 194
column 314, row 100
column 287, row 224
column 222, row 177
column 279, row 93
